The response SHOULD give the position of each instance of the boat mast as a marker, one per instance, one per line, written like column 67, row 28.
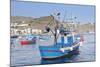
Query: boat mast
column 54, row 32
column 56, row 28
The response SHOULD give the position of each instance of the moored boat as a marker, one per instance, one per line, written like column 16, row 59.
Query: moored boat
column 61, row 49
column 69, row 42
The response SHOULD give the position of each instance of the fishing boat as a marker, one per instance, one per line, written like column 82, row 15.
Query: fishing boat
column 62, row 48
column 27, row 39
column 14, row 36
column 70, row 42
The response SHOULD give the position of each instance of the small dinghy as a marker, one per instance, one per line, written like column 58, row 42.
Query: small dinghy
column 27, row 40
column 14, row 36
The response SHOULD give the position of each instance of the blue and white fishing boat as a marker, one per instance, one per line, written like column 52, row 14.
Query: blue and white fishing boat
column 62, row 48
column 69, row 42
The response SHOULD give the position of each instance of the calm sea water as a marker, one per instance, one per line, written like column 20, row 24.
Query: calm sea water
column 27, row 55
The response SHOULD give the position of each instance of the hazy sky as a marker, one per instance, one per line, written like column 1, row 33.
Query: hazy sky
column 33, row 9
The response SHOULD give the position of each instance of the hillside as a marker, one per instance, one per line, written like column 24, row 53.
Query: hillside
column 19, row 19
column 40, row 23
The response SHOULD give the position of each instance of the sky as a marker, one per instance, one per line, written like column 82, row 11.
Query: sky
column 84, row 13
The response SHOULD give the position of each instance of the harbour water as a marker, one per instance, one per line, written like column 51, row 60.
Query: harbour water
column 25, row 55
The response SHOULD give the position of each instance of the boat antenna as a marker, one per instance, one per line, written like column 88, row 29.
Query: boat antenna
column 64, row 16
